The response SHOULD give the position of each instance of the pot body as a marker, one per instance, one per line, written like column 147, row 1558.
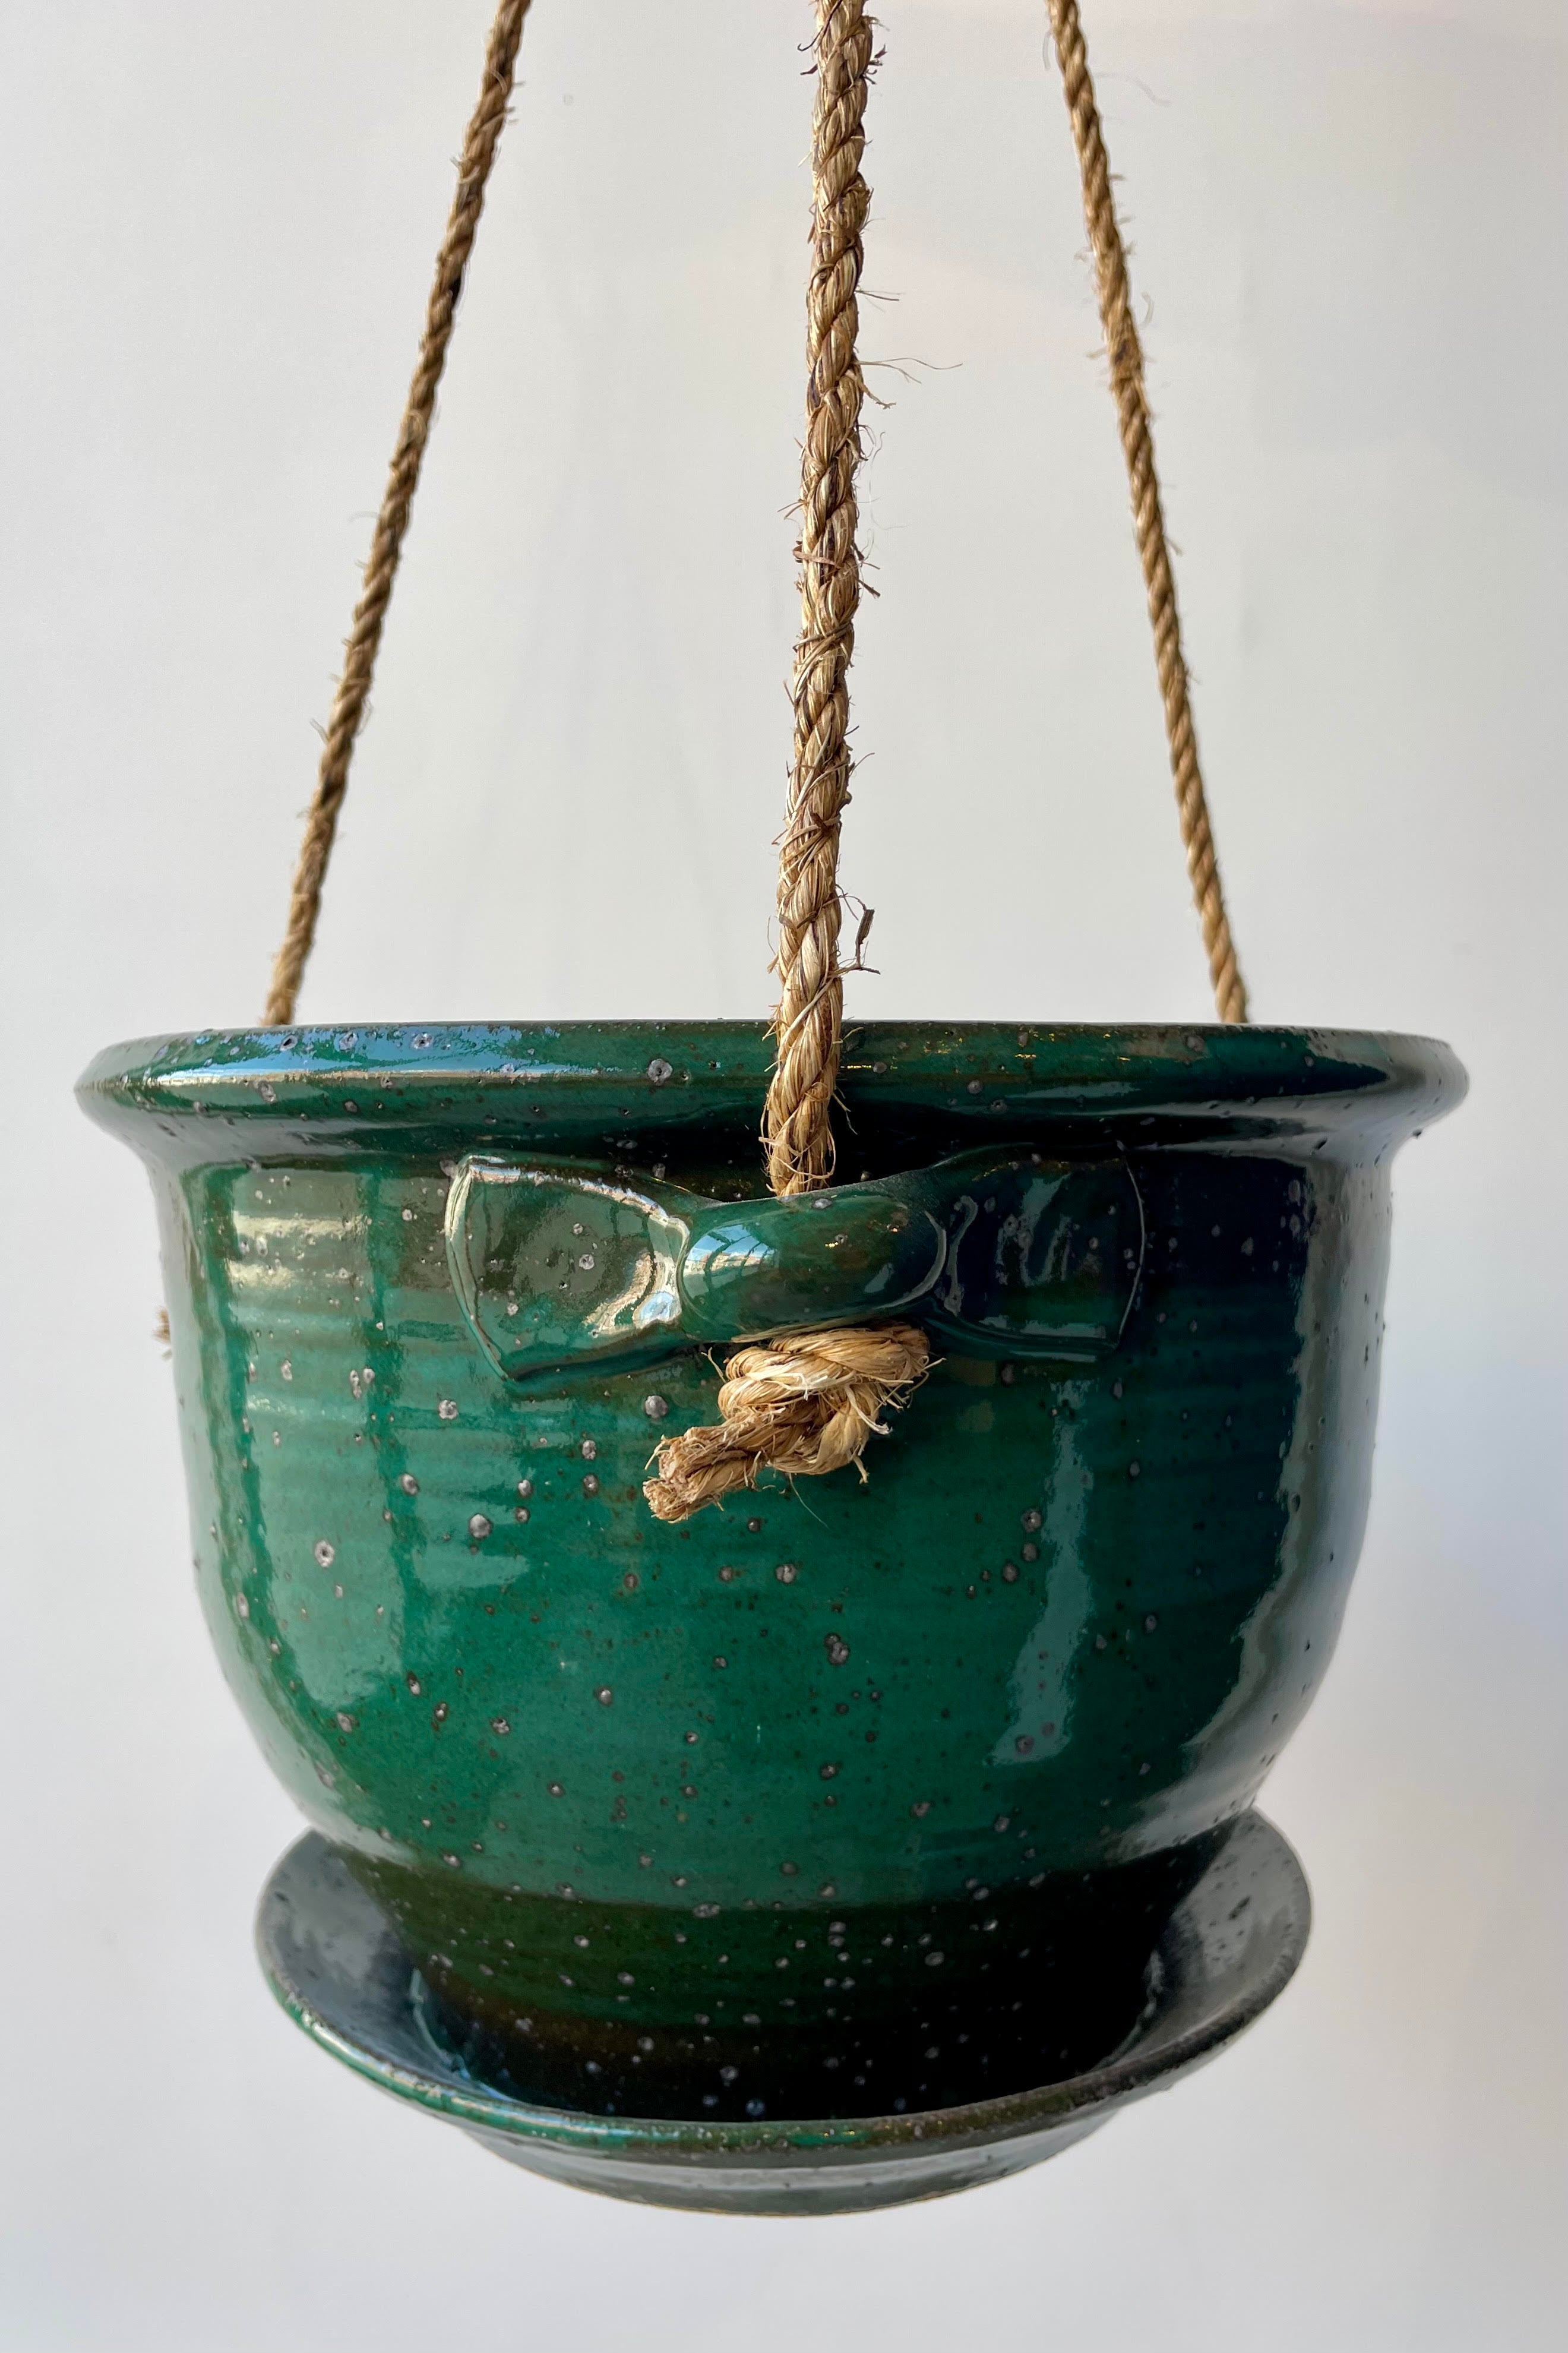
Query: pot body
column 892, row 1781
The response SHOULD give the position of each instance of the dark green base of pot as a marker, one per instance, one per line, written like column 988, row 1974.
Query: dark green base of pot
column 1027, row 2083
column 861, row 2011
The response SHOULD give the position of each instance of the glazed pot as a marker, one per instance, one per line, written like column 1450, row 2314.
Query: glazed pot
column 831, row 1800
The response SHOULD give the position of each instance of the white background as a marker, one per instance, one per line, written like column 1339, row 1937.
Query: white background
column 216, row 233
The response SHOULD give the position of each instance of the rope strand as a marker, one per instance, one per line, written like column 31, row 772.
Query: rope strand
column 1125, row 354
column 806, row 1404
column 809, row 1017
column 386, row 546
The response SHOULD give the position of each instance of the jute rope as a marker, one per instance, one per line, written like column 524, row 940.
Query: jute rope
column 802, row 1406
column 392, row 524
column 809, row 1017
column 1124, row 353
column 807, row 1404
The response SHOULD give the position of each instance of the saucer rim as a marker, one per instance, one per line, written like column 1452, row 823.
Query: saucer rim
column 1145, row 2063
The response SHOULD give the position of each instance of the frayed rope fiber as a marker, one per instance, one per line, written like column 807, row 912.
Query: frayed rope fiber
column 352, row 700
column 806, row 1404
column 802, row 1406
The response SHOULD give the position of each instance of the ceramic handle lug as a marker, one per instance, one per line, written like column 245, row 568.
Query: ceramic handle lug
column 1004, row 1255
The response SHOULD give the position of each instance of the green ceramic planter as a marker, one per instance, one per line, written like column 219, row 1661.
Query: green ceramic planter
column 830, row 1803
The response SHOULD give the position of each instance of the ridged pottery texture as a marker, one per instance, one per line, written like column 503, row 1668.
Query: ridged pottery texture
column 828, row 1802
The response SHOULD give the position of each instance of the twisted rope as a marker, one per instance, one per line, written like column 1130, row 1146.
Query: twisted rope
column 810, row 1013
column 386, row 546
column 1125, row 354
column 806, row 1405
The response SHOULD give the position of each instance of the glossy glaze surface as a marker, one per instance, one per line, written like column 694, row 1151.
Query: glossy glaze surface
column 1005, row 1253
column 335, row 1961
column 842, row 1773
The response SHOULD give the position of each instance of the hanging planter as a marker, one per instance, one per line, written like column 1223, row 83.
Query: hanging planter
column 679, row 1827
column 789, row 1810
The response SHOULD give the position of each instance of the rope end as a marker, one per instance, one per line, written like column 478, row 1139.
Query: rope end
column 802, row 1406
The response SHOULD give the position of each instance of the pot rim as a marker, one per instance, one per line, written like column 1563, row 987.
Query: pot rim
column 361, row 1088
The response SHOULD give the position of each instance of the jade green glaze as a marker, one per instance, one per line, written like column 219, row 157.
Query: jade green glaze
column 1008, row 1253
column 341, row 1969
column 893, row 1781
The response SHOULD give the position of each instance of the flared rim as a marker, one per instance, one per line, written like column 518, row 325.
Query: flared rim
column 366, row 1086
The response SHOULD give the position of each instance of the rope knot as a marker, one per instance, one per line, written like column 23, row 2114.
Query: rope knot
column 804, row 1405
